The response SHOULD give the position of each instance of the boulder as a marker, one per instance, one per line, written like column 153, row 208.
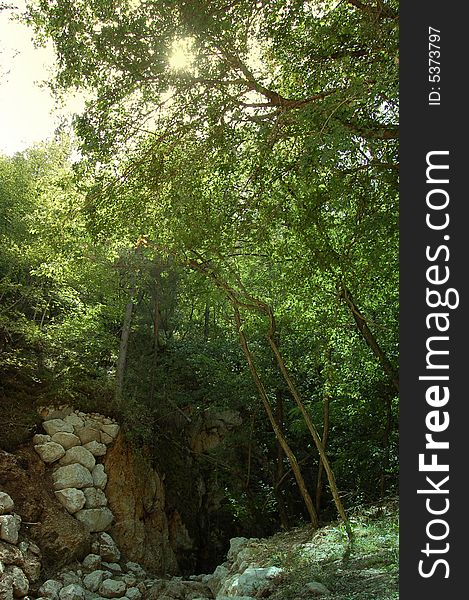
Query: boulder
column 113, row 567
column 88, row 434
column 11, row 555
column 106, row 438
column 71, row 499
column 255, row 581
column 133, row 593
column 74, row 420
column 72, row 476
column 176, row 588
column 109, row 550
column 95, row 519
column 92, row 562
column 236, row 545
column 6, row 503
column 231, row 598
column 99, row 477
column 17, row 580
column 111, row 429
column 66, row 440
column 53, row 412
column 31, row 564
column 72, row 592
column 50, row 589
column 70, row 577
column 9, row 528
column 50, row 451
column 136, row 569
column 78, row 455
column 215, row 582
column 316, row 589
column 41, row 438
column 93, row 580
column 96, row 448
column 95, row 498
column 55, row 425
column 129, row 580
column 110, row 588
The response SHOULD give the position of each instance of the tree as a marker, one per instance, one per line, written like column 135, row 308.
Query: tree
column 272, row 156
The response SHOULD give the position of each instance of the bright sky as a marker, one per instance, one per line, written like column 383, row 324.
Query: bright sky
column 26, row 109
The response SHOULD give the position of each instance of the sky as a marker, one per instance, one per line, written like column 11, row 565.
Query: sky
column 27, row 113
column 27, row 110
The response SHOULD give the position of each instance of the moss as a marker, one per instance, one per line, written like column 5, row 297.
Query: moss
column 365, row 570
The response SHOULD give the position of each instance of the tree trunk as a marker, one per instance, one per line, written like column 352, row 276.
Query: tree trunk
column 277, row 430
column 309, row 423
column 124, row 343
column 206, row 321
column 386, row 442
column 325, row 438
column 279, row 470
column 368, row 336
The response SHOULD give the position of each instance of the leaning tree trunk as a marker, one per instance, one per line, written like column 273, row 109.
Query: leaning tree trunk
column 368, row 336
column 277, row 430
column 245, row 300
column 124, row 343
column 309, row 422
column 279, row 470
column 324, row 440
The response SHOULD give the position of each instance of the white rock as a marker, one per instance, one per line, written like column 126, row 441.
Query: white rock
column 112, row 589
column 106, row 438
column 95, row 498
column 113, row 567
column 74, row 420
column 71, row 499
column 136, row 569
column 314, row 588
column 9, row 528
column 220, row 574
column 56, row 425
column 236, row 545
column 19, row 582
column 129, row 580
column 69, row 577
column 78, row 455
column 133, row 593
column 109, row 550
column 91, row 562
column 65, row 439
column 99, row 477
column 95, row 519
column 96, row 448
column 41, row 438
column 72, row 592
column 50, row 589
column 72, row 476
column 255, row 581
column 112, row 429
column 88, row 434
column 6, row 503
column 93, row 580
column 50, row 451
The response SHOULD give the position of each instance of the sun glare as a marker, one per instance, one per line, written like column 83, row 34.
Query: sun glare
column 182, row 56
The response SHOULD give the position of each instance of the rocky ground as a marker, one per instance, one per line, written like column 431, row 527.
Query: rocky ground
column 290, row 565
column 58, row 509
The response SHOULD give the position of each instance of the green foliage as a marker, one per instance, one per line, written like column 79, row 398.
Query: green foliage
column 267, row 166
